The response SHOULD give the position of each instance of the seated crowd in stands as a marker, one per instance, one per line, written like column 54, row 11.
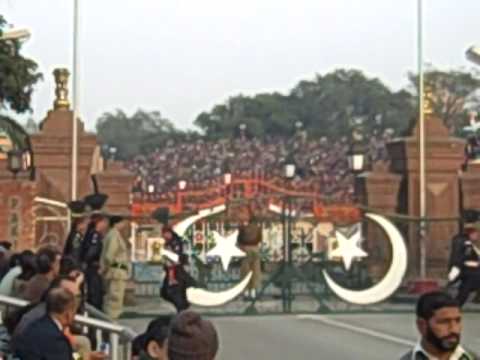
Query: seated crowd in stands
column 322, row 165
column 45, row 328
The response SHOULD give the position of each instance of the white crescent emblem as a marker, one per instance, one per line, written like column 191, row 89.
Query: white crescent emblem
column 203, row 297
column 391, row 281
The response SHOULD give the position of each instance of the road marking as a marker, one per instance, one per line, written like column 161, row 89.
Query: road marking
column 358, row 329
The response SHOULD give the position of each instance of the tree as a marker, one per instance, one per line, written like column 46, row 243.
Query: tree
column 18, row 75
column 328, row 104
column 452, row 94
column 143, row 132
column 325, row 105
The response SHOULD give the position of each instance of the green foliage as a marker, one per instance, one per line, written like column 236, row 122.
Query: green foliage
column 325, row 106
column 15, row 132
column 18, row 75
column 453, row 92
column 143, row 132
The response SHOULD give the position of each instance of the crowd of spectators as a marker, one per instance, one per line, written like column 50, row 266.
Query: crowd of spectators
column 322, row 164
column 45, row 328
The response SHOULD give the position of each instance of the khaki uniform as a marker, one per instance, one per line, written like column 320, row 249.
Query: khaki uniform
column 114, row 265
column 250, row 240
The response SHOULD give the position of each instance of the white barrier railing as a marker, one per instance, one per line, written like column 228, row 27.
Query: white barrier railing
column 120, row 337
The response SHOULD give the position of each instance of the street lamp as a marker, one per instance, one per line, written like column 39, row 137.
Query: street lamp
column 15, row 161
column 113, row 151
column 356, row 158
column 227, row 173
column 290, row 168
column 16, row 34
column 182, row 184
column 473, row 54
column 227, row 178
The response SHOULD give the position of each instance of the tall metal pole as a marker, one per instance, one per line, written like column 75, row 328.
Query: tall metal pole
column 76, row 93
column 421, row 99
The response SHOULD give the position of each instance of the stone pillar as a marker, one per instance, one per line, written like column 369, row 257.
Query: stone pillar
column 470, row 186
column 444, row 157
column 380, row 192
column 117, row 182
column 52, row 145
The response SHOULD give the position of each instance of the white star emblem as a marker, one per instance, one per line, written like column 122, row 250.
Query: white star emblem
column 348, row 248
column 225, row 248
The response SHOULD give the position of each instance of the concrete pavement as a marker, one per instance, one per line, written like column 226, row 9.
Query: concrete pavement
column 342, row 337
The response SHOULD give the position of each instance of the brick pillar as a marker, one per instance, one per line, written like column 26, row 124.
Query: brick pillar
column 379, row 189
column 470, row 180
column 117, row 182
column 444, row 157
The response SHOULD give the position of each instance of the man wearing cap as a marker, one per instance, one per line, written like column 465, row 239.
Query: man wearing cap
column 114, row 265
column 92, row 249
column 177, row 280
column 249, row 240
column 465, row 263
column 192, row 338
column 80, row 220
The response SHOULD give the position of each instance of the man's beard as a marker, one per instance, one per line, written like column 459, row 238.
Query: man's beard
column 446, row 343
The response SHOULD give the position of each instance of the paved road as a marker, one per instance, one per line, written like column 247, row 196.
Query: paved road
column 342, row 337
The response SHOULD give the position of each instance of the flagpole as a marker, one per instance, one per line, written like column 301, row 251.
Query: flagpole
column 75, row 97
column 421, row 102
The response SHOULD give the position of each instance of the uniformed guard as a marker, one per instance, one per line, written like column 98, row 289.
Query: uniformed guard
column 249, row 240
column 465, row 259
column 79, row 220
column 177, row 280
column 115, row 265
column 92, row 249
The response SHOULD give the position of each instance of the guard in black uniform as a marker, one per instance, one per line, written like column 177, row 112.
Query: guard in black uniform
column 80, row 221
column 177, row 279
column 92, row 250
column 465, row 263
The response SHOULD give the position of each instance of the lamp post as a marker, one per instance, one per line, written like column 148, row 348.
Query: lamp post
column 15, row 161
column 181, row 186
column 243, row 128
column 16, row 34
column 113, row 152
column 473, row 54
column 298, row 126
column 356, row 158
column 151, row 188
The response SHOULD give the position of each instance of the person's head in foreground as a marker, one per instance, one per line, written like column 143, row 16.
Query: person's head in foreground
column 192, row 338
column 61, row 306
column 155, row 338
column 439, row 321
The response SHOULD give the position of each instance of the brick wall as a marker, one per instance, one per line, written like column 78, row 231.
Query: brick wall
column 16, row 212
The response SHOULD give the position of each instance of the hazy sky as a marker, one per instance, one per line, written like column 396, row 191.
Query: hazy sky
column 183, row 56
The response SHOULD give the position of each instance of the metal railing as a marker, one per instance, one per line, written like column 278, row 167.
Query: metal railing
column 120, row 337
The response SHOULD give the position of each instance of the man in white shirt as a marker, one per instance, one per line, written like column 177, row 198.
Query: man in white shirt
column 439, row 321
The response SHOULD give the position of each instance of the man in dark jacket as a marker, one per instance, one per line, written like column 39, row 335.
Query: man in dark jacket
column 44, row 339
column 80, row 220
column 465, row 263
column 439, row 321
column 90, row 259
column 177, row 280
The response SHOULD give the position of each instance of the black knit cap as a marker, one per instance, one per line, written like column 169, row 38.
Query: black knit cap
column 77, row 209
column 192, row 338
column 470, row 217
column 95, row 202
